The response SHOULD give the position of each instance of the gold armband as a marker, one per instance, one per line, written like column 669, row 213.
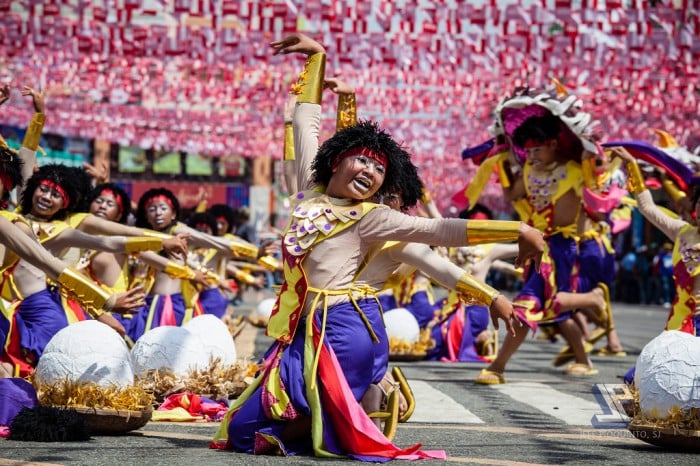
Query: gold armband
column 492, row 231
column 478, row 290
column 635, row 182
column 673, row 191
column 347, row 111
column 175, row 270
column 309, row 85
column 426, row 196
column 83, row 290
column 244, row 250
column 33, row 134
column 245, row 277
column 3, row 143
column 269, row 262
column 504, row 175
column 139, row 244
column 155, row 234
column 589, row 178
column 211, row 277
column 289, row 141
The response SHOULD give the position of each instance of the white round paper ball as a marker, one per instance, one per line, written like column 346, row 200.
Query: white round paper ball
column 174, row 349
column 214, row 337
column 86, row 351
column 264, row 308
column 667, row 374
column 401, row 324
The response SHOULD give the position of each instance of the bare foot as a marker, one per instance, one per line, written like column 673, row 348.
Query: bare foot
column 599, row 307
column 5, row 370
column 484, row 343
column 388, row 384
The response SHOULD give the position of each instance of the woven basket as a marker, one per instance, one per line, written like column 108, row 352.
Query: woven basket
column 113, row 421
column 407, row 357
column 667, row 437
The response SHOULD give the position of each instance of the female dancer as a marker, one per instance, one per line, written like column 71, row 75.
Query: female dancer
column 325, row 325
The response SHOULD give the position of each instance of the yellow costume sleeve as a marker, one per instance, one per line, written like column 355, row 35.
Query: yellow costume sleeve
column 289, row 141
column 478, row 290
column 175, row 270
column 492, row 231
column 88, row 293
column 309, row 85
column 347, row 111
column 33, row 134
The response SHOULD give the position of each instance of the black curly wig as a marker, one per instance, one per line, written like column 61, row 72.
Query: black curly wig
column 401, row 174
column 141, row 219
column 118, row 192
column 11, row 168
column 62, row 176
column 222, row 210
column 84, row 182
column 203, row 218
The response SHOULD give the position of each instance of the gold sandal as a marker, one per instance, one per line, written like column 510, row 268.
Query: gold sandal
column 580, row 370
column 388, row 414
column 406, row 391
column 487, row 377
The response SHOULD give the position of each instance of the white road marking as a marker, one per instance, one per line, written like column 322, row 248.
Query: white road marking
column 434, row 406
column 572, row 410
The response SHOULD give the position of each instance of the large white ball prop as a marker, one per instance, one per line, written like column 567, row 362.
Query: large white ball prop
column 667, row 374
column 174, row 349
column 87, row 351
column 264, row 308
column 401, row 324
column 214, row 336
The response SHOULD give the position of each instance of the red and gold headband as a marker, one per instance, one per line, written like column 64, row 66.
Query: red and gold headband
column 379, row 157
column 531, row 143
column 59, row 190
column 160, row 197
column 117, row 199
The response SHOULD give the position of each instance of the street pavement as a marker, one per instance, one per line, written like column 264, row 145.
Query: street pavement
column 539, row 417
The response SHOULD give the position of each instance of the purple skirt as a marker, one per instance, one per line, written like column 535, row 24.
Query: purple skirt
column 362, row 361
column 421, row 308
column 556, row 274
column 37, row 319
column 596, row 265
column 159, row 310
column 448, row 344
column 15, row 394
column 213, row 301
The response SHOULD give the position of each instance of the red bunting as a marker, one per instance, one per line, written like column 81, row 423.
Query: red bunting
column 199, row 77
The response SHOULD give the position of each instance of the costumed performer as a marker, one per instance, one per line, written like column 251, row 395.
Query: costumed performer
column 324, row 325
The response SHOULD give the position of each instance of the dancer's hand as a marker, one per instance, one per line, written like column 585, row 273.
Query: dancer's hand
column 338, row 86
column 619, row 151
column 530, row 246
column 176, row 247
column 502, row 308
column 4, row 93
column 129, row 302
column 37, row 98
column 99, row 173
column 110, row 321
column 297, row 42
